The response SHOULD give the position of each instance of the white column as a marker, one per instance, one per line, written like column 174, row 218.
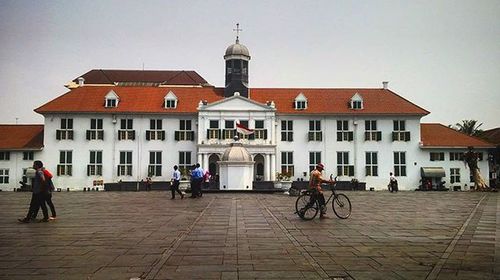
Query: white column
column 267, row 167
column 200, row 158
column 205, row 161
column 273, row 167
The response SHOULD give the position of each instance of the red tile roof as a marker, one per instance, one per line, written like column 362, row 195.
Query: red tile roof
column 170, row 77
column 336, row 101
column 438, row 135
column 492, row 135
column 151, row 100
column 21, row 137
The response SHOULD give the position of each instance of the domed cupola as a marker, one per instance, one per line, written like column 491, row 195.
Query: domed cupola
column 236, row 57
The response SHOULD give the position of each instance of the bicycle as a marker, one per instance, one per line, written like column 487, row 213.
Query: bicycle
column 307, row 205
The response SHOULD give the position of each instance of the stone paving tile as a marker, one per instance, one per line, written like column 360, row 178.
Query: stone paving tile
column 120, row 235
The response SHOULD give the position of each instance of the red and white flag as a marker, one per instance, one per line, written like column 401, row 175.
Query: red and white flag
column 243, row 130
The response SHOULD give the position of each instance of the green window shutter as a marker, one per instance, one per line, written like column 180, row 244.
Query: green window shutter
column 379, row 135
column 70, row 134
column 176, row 136
column 148, row 135
column 351, row 170
column 367, row 136
column 311, row 136
column 265, row 134
column 407, row 136
column 191, row 133
column 58, row 134
column 162, row 135
column 394, row 136
column 339, row 136
column 88, row 134
column 351, row 136
column 339, row 170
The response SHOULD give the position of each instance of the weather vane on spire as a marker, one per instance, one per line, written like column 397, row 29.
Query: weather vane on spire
column 238, row 29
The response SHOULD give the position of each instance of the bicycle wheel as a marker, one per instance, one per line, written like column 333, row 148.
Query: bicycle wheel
column 341, row 206
column 306, row 207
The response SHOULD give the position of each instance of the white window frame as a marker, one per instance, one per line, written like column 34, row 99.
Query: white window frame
column 371, row 161
column 5, row 156
column 28, row 155
column 155, row 164
column 111, row 100
column 343, row 129
column 314, row 159
column 300, row 102
column 456, row 156
column 436, row 156
column 317, row 132
column 400, row 164
column 185, row 160
column 95, row 163
column 356, row 102
column 96, row 129
column 171, row 100
column 184, row 133
column 287, row 130
column 454, row 175
column 65, row 167
column 343, row 166
column 287, row 163
column 4, row 176
column 125, row 168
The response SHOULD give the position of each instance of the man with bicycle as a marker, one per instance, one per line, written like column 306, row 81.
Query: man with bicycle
column 315, row 181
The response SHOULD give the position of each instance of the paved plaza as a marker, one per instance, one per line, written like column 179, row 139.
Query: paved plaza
column 145, row 235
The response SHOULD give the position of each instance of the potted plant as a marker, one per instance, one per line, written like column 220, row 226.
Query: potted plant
column 283, row 181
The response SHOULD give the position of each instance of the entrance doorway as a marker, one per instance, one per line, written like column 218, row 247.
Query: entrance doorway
column 213, row 167
column 259, row 168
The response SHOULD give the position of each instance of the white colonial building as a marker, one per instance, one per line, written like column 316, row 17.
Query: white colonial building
column 126, row 125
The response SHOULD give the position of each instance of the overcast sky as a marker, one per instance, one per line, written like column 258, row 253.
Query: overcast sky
column 442, row 55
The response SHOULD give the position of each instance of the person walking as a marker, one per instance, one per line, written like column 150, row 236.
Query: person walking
column 393, row 183
column 48, row 194
column 315, row 181
column 197, row 179
column 174, row 185
column 39, row 195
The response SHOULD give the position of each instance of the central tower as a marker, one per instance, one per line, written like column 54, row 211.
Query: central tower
column 236, row 57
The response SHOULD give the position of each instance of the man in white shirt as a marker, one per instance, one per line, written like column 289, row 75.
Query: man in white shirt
column 174, row 186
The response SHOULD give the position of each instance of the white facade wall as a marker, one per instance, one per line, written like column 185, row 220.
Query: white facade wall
column 447, row 164
column 111, row 147
column 15, row 166
column 357, row 148
column 270, row 149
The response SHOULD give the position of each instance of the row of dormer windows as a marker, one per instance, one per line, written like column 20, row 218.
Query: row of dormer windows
column 355, row 103
column 111, row 100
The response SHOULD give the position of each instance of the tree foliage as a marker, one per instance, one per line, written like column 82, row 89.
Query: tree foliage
column 469, row 127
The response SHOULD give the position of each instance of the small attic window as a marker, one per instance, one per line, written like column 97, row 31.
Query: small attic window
column 111, row 100
column 170, row 100
column 300, row 102
column 356, row 102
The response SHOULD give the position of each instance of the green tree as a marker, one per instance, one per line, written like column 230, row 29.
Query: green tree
column 469, row 127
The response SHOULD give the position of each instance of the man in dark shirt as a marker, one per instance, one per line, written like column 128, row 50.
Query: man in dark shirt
column 40, row 190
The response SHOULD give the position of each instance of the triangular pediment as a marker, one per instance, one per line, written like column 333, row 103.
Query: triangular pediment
column 357, row 97
column 111, row 95
column 171, row 96
column 236, row 103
